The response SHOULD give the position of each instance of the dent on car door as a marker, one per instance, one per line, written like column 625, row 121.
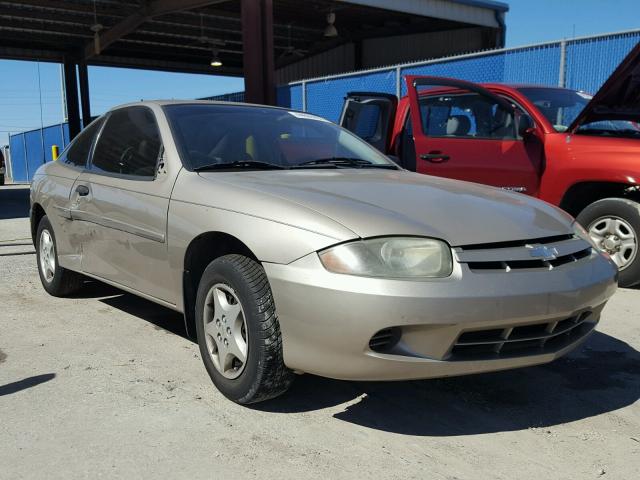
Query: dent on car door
column 125, row 198
column 54, row 191
column 462, row 130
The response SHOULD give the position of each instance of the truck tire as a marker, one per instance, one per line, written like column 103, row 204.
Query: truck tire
column 56, row 280
column 238, row 331
column 614, row 224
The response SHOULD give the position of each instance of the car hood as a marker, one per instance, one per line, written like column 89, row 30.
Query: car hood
column 374, row 203
column 618, row 98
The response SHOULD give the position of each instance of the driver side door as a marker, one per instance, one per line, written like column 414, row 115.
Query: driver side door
column 466, row 132
column 123, row 197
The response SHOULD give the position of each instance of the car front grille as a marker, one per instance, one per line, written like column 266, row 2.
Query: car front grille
column 538, row 254
column 521, row 340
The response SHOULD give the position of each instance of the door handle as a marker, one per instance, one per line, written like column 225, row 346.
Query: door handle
column 82, row 190
column 435, row 157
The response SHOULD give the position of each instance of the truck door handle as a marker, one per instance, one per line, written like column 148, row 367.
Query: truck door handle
column 82, row 190
column 435, row 157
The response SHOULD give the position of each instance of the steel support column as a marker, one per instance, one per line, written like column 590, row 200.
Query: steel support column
column 258, row 62
column 71, row 94
column 85, row 105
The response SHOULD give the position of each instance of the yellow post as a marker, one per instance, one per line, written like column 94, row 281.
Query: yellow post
column 55, row 152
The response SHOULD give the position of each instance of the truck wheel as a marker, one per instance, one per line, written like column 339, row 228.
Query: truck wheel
column 238, row 331
column 56, row 280
column 614, row 224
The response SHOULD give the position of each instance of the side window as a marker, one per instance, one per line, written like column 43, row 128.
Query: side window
column 129, row 143
column 466, row 115
column 78, row 152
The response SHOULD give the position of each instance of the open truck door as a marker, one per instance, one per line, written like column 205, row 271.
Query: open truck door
column 463, row 131
column 370, row 116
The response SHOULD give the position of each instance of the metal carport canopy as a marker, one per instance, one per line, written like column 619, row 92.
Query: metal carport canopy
column 251, row 37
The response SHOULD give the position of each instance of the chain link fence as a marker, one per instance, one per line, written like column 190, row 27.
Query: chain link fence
column 580, row 64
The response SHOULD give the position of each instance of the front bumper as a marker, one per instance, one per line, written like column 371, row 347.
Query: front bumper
column 328, row 320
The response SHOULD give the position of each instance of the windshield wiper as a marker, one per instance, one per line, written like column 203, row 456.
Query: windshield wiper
column 240, row 164
column 342, row 162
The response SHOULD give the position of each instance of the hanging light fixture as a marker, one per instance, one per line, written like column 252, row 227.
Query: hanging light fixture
column 215, row 59
column 331, row 31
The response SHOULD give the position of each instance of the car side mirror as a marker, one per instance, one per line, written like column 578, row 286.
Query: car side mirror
column 526, row 126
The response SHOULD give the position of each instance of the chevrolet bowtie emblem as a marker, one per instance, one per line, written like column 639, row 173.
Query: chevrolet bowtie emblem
column 542, row 252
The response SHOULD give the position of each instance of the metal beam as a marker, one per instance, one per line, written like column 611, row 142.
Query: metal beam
column 258, row 62
column 71, row 95
column 129, row 24
column 85, row 105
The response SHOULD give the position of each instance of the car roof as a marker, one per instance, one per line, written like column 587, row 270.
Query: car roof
column 161, row 103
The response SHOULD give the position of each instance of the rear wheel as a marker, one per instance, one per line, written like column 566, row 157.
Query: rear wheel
column 56, row 280
column 614, row 225
column 238, row 331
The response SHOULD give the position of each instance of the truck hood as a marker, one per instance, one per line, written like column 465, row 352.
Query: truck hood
column 374, row 203
column 618, row 98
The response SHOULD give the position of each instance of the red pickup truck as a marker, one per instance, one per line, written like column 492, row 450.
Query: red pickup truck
column 579, row 152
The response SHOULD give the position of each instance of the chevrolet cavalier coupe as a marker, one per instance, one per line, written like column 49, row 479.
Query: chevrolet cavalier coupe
column 291, row 246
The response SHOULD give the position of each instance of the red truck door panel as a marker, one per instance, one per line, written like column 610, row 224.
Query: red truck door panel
column 464, row 131
column 370, row 116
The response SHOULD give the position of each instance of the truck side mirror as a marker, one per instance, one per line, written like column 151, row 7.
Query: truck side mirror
column 525, row 125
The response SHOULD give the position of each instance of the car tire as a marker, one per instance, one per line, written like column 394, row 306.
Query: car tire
column 616, row 220
column 236, row 314
column 56, row 280
column 1, row 179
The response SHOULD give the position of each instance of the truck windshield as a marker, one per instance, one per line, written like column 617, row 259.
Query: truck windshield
column 561, row 106
column 222, row 137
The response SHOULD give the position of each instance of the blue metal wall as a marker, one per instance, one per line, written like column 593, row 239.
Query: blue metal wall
column 587, row 64
column 26, row 149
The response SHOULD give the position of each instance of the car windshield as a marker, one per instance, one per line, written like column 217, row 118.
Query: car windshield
column 561, row 107
column 220, row 137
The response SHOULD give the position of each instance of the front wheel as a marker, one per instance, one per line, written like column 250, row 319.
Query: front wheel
column 238, row 331
column 614, row 225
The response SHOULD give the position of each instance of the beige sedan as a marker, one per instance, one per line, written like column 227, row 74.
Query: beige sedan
column 292, row 246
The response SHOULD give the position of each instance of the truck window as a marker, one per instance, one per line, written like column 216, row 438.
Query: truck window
column 466, row 115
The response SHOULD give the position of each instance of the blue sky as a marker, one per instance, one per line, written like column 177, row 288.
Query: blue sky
column 528, row 21
column 534, row 21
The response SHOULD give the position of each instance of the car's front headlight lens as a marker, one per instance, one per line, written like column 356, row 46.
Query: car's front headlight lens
column 391, row 257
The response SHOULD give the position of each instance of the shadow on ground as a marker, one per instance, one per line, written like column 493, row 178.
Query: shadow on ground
column 14, row 387
column 601, row 376
column 162, row 318
column 15, row 202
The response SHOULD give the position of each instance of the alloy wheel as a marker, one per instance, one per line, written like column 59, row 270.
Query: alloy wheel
column 226, row 332
column 47, row 256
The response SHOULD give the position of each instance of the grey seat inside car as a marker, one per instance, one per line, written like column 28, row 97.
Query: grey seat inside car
column 458, row 125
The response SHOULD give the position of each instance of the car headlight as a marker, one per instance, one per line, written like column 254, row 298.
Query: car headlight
column 579, row 231
column 391, row 257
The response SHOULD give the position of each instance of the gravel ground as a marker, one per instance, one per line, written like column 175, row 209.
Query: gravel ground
column 106, row 385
